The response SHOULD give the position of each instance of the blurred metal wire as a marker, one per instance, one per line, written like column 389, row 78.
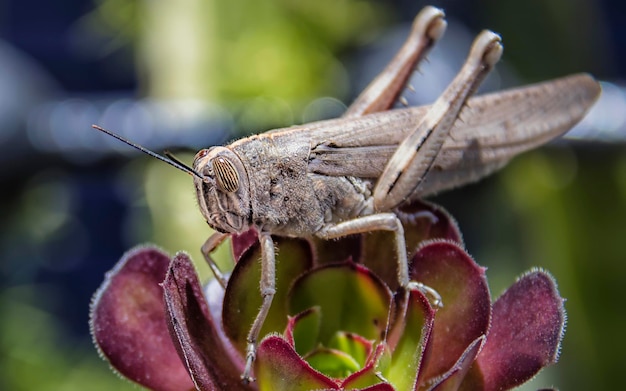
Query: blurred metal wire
column 36, row 117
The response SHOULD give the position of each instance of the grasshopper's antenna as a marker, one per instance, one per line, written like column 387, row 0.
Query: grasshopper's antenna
column 172, row 162
column 173, row 158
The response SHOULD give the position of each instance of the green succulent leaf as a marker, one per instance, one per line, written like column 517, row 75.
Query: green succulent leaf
column 303, row 330
column 332, row 362
column 372, row 374
column 242, row 299
column 411, row 332
column 358, row 302
column 354, row 345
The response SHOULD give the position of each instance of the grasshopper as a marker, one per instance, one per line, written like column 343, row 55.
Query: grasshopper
column 348, row 175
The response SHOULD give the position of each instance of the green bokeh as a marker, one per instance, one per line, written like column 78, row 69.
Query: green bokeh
column 35, row 353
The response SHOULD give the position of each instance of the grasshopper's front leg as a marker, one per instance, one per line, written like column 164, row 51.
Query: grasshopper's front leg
column 414, row 157
column 207, row 248
column 267, row 288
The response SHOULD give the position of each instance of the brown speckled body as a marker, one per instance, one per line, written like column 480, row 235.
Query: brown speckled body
column 301, row 178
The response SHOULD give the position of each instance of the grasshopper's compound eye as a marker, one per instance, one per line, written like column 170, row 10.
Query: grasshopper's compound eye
column 226, row 175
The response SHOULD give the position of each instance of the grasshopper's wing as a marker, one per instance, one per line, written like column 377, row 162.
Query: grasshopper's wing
column 496, row 127
column 491, row 130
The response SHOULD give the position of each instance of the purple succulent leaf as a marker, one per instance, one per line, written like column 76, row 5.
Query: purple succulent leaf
column 278, row 367
column 421, row 221
column 525, row 335
column 451, row 380
column 242, row 242
column 212, row 362
column 242, row 299
column 465, row 316
column 424, row 220
column 129, row 325
column 409, row 338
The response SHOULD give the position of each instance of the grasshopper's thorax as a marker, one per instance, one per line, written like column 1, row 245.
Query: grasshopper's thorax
column 224, row 193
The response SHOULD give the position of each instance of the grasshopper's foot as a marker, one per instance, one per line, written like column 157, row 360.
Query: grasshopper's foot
column 433, row 296
column 246, row 376
column 412, row 218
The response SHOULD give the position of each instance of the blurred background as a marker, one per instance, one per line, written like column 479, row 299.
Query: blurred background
column 189, row 74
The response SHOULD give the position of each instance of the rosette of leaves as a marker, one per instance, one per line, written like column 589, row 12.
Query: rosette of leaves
column 339, row 320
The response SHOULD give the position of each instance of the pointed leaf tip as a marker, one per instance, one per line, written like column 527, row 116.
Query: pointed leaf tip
column 278, row 367
column 212, row 362
column 451, row 380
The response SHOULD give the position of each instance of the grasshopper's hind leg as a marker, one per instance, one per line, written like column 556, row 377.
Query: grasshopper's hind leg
column 383, row 91
column 414, row 157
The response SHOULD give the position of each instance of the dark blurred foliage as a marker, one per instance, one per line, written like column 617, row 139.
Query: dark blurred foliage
column 167, row 76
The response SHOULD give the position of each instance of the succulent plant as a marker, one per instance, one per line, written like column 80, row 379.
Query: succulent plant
column 339, row 320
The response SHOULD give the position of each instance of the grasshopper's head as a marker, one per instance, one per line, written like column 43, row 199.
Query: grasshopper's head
column 223, row 189
column 221, row 184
